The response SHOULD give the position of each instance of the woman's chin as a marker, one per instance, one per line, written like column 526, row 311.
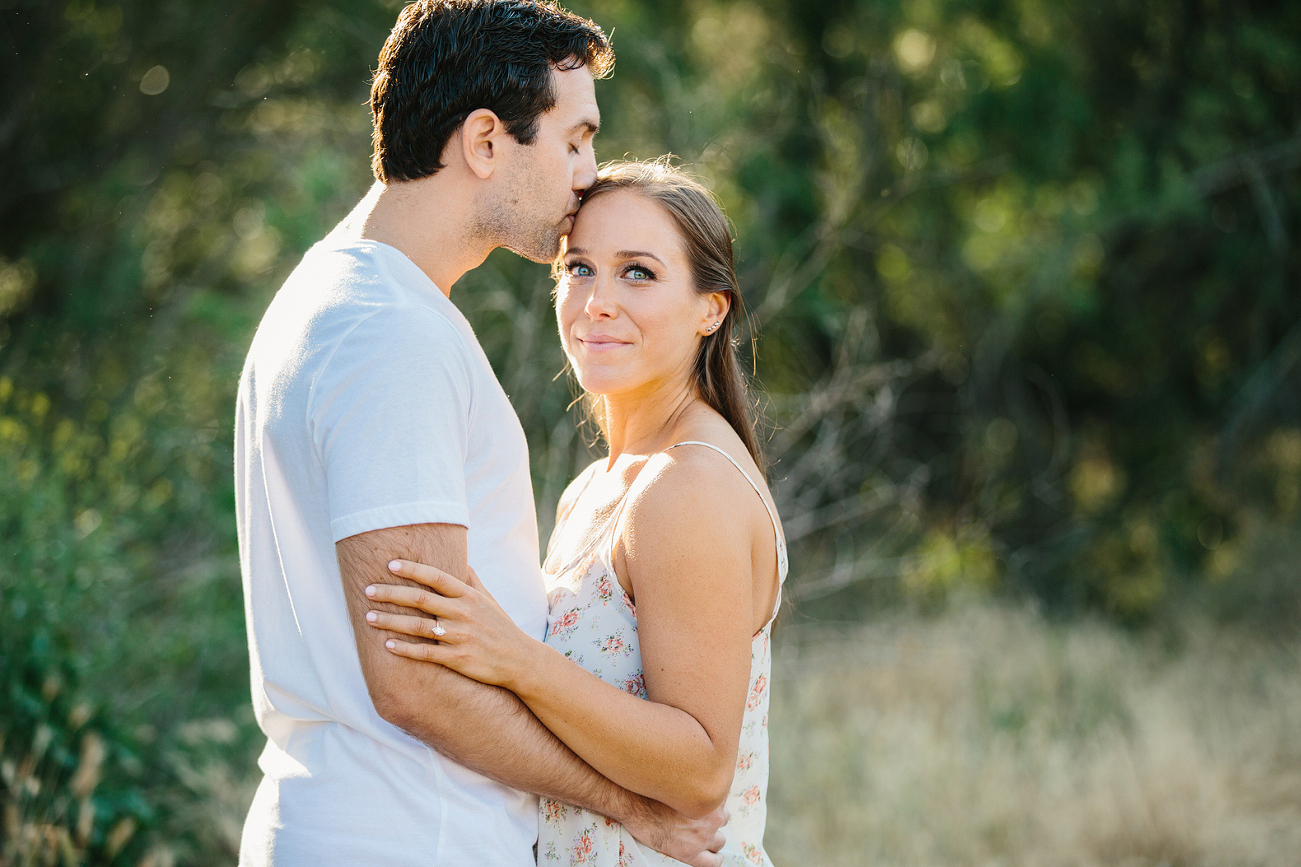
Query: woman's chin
column 602, row 382
column 595, row 384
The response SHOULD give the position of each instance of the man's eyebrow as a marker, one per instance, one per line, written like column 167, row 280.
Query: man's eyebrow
column 591, row 127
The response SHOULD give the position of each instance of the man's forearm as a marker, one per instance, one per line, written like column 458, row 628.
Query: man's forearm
column 486, row 728
column 489, row 730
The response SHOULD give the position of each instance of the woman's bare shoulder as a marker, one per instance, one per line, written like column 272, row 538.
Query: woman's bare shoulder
column 697, row 452
column 691, row 491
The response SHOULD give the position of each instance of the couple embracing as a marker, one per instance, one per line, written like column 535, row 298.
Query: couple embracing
column 429, row 695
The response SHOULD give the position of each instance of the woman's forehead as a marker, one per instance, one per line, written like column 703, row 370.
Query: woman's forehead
column 623, row 220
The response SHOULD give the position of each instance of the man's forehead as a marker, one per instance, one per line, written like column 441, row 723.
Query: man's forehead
column 576, row 109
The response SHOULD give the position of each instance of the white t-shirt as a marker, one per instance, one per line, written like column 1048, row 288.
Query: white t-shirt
column 366, row 402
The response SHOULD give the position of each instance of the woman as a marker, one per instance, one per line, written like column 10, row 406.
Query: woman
column 665, row 567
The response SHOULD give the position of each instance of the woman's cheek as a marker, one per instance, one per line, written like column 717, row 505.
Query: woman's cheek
column 564, row 314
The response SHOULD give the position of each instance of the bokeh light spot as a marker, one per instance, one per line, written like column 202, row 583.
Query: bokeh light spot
column 155, row 81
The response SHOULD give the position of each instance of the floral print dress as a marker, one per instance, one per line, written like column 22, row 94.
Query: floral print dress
column 593, row 622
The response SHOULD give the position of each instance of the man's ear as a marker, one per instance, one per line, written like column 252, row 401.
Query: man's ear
column 481, row 141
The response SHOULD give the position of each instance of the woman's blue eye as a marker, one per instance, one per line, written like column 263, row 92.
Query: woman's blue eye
column 578, row 269
column 636, row 272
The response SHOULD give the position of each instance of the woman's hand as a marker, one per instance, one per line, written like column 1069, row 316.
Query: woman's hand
column 475, row 636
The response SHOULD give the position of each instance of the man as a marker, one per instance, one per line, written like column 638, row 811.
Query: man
column 370, row 426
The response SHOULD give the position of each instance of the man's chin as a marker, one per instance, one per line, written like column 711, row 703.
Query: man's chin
column 539, row 251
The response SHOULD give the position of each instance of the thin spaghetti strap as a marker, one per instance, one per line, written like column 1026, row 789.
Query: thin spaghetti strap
column 776, row 527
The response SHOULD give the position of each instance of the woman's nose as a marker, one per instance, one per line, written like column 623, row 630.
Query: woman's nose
column 600, row 301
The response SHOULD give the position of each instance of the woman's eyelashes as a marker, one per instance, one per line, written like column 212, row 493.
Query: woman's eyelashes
column 640, row 273
column 632, row 271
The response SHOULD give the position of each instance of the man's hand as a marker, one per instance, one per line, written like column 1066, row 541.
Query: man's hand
column 693, row 841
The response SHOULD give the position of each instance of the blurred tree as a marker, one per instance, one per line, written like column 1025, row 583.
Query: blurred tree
column 1025, row 276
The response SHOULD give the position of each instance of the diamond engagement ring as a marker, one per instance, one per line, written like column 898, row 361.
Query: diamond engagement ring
column 438, row 629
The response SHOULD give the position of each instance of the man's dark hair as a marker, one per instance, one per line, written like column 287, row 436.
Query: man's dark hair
column 447, row 58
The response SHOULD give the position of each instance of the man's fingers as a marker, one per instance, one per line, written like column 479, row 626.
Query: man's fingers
column 429, row 576
column 707, row 859
column 716, row 844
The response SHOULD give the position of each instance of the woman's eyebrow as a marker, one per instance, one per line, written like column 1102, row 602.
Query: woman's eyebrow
column 622, row 254
column 638, row 254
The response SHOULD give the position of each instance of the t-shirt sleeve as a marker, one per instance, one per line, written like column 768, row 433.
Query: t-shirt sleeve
column 390, row 418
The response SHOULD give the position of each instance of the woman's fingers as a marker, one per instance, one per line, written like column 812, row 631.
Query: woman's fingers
column 423, row 652
column 410, row 597
column 431, row 577
column 410, row 624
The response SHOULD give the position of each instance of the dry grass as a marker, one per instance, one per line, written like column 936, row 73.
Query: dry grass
column 988, row 736
column 982, row 737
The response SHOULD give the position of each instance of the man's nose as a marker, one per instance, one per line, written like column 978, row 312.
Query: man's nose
column 585, row 173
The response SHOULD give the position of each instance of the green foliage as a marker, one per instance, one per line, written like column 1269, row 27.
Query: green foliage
column 121, row 627
column 1024, row 275
column 125, row 272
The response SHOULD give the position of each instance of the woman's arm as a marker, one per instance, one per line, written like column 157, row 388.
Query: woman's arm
column 484, row 727
column 688, row 556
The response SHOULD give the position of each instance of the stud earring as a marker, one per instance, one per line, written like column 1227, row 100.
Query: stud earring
column 711, row 327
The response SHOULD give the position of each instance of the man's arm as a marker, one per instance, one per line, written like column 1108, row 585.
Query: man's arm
column 486, row 728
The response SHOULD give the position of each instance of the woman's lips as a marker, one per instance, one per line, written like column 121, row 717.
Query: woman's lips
column 601, row 343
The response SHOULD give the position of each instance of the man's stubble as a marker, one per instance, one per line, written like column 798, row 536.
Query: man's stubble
column 514, row 218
